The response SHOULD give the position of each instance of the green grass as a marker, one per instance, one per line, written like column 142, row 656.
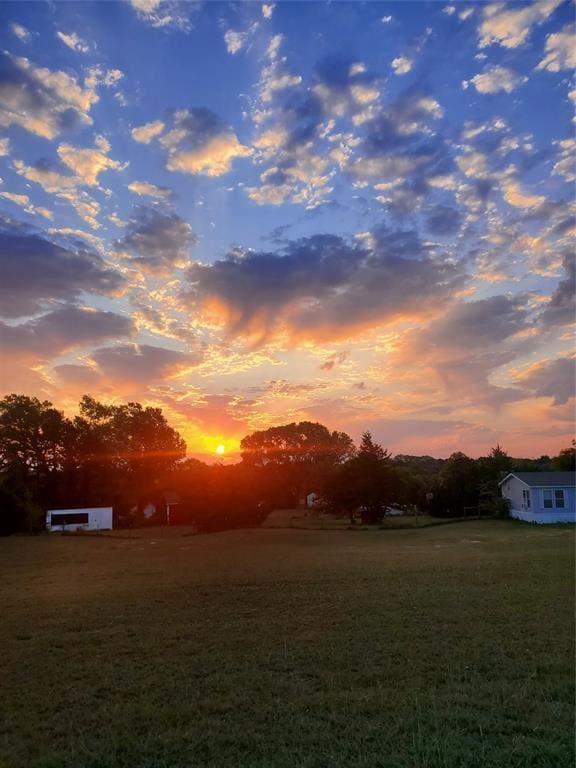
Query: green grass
column 440, row 647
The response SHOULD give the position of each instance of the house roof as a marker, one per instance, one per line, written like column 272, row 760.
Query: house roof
column 544, row 479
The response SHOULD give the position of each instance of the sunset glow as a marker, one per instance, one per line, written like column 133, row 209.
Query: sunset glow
column 359, row 214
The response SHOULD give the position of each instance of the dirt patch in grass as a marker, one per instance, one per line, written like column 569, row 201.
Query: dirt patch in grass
column 439, row 647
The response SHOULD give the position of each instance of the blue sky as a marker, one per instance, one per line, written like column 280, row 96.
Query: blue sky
column 247, row 213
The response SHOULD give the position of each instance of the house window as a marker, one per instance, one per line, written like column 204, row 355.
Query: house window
column 70, row 518
column 526, row 499
column 553, row 498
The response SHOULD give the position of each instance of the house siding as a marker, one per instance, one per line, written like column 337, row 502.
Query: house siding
column 512, row 490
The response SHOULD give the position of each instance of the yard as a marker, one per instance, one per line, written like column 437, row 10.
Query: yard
column 440, row 647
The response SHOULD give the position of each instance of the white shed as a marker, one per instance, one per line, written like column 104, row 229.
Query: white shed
column 87, row 519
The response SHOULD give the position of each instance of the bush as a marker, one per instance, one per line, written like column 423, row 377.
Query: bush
column 495, row 507
column 18, row 512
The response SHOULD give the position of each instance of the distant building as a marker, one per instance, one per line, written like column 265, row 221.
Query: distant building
column 164, row 504
column 312, row 500
column 541, row 497
column 87, row 519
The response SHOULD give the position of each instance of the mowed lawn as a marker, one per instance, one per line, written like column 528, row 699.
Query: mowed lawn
column 446, row 646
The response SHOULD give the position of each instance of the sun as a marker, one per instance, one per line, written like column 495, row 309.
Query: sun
column 220, row 449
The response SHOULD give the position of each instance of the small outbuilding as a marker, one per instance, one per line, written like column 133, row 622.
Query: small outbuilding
column 541, row 497
column 86, row 519
column 312, row 500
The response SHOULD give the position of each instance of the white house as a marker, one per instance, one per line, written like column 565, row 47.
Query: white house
column 88, row 519
column 541, row 497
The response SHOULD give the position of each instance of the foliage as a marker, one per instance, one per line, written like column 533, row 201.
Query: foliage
column 32, row 435
column 566, row 459
column 18, row 511
column 127, row 456
column 366, row 482
column 107, row 454
column 217, row 497
column 294, row 459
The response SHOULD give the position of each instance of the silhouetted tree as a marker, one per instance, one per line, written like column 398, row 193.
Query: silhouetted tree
column 123, row 449
column 457, row 486
column 106, row 453
column 566, row 459
column 293, row 458
column 34, row 439
column 366, row 482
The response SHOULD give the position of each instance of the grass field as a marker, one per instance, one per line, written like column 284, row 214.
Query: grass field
column 441, row 647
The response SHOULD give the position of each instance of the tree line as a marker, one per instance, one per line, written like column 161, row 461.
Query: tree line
column 128, row 457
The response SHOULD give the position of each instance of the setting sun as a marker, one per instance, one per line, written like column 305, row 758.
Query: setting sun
column 220, row 449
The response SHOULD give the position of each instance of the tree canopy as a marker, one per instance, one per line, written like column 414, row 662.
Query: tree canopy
column 294, row 459
column 126, row 455
column 300, row 443
column 366, row 482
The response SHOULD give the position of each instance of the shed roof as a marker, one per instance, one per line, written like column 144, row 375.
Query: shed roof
column 544, row 479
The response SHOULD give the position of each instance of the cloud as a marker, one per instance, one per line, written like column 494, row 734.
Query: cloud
column 561, row 308
column 106, row 77
column 437, row 437
column 166, row 15
column 20, row 32
column 514, row 196
column 42, row 101
column 443, row 220
column 402, row 65
column 65, row 187
column 565, row 165
column 551, row 378
column 37, row 273
column 322, row 287
column 268, row 10
column 466, row 345
column 145, row 133
column 199, row 143
column 73, row 41
column 400, row 147
column 275, row 78
column 235, row 41
column 80, row 378
column 344, row 86
column 146, row 189
column 471, row 325
column 74, row 234
column 143, row 363
column 88, row 164
column 295, row 121
column 4, row 147
column 496, row 79
column 334, row 360
column 59, row 331
column 156, row 239
column 24, row 202
column 560, row 51
column 510, row 27
column 47, row 176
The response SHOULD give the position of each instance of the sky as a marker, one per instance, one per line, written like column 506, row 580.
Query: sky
column 249, row 214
